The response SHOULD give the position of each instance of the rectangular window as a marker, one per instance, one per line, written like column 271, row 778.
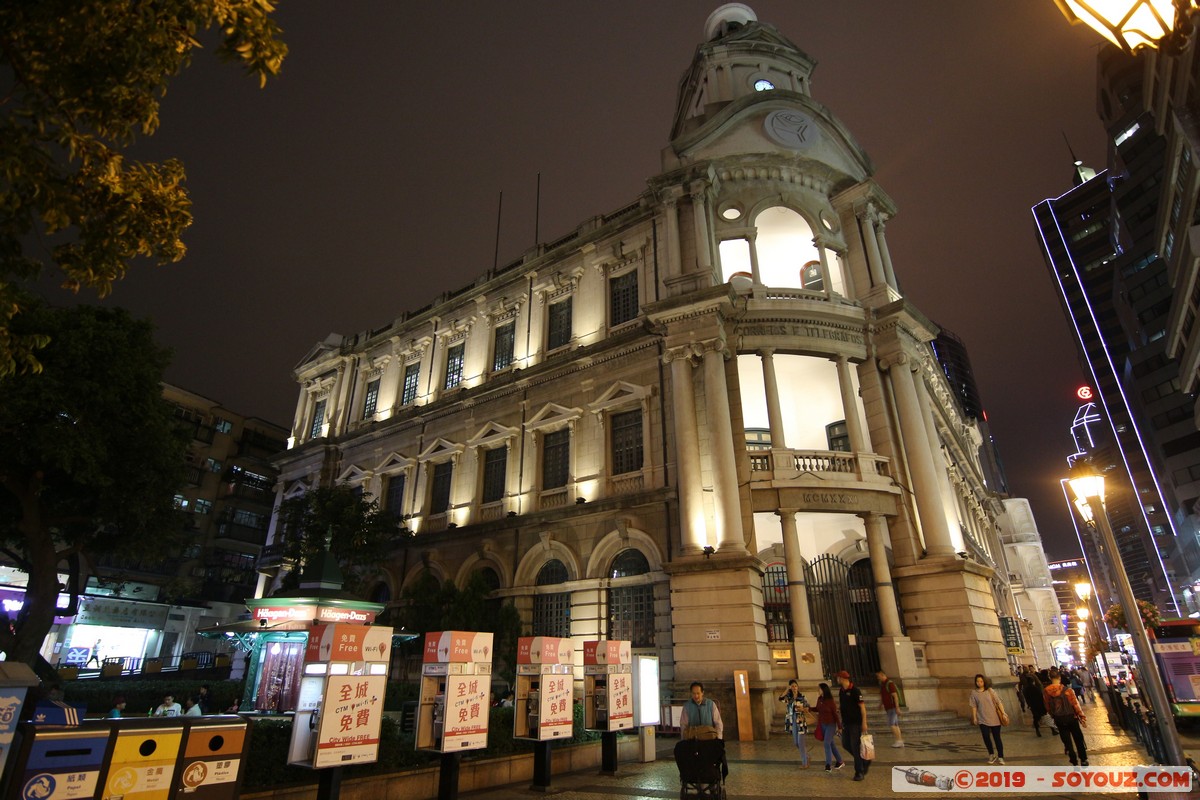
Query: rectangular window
column 838, row 436
column 249, row 519
column 556, row 459
column 202, row 506
column 623, row 297
column 222, row 425
column 439, row 493
column 506, row 336
column 454, row 365
column 558, row 321
column 411, row 373
column 371, row 400
column 212, row 465
column 394, row 500
column 318, row 420
column 627, row 441
column 552, row 615
column 495, row 467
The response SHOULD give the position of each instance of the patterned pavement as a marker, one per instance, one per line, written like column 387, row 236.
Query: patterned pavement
column 770, row 770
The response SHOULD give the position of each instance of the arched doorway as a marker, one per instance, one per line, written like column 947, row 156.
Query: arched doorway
column 845, row 615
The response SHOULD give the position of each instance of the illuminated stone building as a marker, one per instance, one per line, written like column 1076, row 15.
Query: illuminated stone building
column 708, row 421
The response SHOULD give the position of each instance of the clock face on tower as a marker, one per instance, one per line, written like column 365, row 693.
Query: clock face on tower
column 763, row 85
column 794, row 130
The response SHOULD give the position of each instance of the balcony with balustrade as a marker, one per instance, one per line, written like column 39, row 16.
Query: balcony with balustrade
column 822, row 480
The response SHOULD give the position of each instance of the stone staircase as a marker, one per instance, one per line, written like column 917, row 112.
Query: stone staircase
column 913, row 724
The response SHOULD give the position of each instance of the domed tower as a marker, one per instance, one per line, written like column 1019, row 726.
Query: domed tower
column 805, row 394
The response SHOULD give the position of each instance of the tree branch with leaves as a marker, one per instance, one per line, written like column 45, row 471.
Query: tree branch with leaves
column 79, row 81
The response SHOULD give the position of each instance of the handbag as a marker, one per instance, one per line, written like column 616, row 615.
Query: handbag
column 1000, row 712
column 866, row 747
column 820, row 733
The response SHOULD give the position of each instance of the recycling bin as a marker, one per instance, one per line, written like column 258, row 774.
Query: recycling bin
column 214, row 754
column 144, row 759
column 58, row 763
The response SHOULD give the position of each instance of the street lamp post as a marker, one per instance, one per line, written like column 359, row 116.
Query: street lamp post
column 1131, row 24
column 1083, row 590
column 1088, row 486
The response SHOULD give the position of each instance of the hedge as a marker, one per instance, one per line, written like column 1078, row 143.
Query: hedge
column 141, row 696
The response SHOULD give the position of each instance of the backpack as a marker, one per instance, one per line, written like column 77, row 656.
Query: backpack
column 1058, row 706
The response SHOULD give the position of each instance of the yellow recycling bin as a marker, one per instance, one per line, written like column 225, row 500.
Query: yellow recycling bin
column 214, row 755
column 144, row 757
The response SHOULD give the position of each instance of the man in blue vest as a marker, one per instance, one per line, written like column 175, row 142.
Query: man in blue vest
column 699, row 713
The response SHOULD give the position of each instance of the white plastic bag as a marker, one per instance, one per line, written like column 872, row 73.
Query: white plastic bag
column 866, row 747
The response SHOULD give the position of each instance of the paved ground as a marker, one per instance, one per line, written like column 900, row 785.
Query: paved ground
column 770, row 770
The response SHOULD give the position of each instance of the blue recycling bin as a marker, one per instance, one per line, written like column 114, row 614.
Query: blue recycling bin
column 56, row 763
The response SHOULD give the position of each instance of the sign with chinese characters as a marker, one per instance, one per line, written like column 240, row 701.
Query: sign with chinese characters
column 121, row 613
column 351, row 715
column 466, row 712
column 1010, row 629
column 343, row 642
column 444, row 647
column 558, row 715
column 621, row 701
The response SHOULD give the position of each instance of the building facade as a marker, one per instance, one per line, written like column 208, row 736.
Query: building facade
column 1103, row 245
column 707, row 422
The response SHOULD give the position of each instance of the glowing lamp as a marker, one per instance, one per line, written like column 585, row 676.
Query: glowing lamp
column 1083, row 590
column 1082, row 612
column 1086, row 482
column 1129, row 24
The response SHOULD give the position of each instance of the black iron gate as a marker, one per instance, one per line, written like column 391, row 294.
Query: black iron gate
column 845, row 615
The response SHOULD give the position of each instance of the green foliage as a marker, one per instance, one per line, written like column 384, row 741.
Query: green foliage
column 80, row 80
column 90, row 459
column 360, row 534
column 143, row 695
column 428, row 606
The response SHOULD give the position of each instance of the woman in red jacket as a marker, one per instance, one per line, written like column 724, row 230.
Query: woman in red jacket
column 829, row 722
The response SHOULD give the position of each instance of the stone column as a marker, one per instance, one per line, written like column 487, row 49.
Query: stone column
column 333, row 408
column 726, row 501
column 752, row 244
column 819, row 243
column 866, row 221
column 806, row 650
column 771, row 385
column 885, row 593
column 854, row 427
column 887, row 257
column 949, row 496
column 703, row 238
column 671, row 235
column 693, row 531
column 921, row 466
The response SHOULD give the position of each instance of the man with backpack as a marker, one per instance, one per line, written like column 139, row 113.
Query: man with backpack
column 1063, row 708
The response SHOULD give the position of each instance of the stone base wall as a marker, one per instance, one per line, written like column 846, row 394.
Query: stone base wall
column 422, row 784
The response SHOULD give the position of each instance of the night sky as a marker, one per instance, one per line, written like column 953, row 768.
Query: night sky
column 364, row 181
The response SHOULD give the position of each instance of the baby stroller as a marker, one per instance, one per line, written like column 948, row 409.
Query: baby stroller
column 702, row 768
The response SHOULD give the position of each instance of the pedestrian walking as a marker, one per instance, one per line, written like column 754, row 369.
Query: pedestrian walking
column 1088, row 694
column 1031, row 690
column 854, row 722
column 829, row 722
column 1076, row 682
column 889, row 697
column 987, row 712
column 797, row 722
column 1064, row 708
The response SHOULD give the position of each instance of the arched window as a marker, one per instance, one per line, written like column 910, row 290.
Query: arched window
column 777, row 604
column 629, row 563
column 380, row 593
column 631, row 607
column 552, row 610
column 490, row 579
